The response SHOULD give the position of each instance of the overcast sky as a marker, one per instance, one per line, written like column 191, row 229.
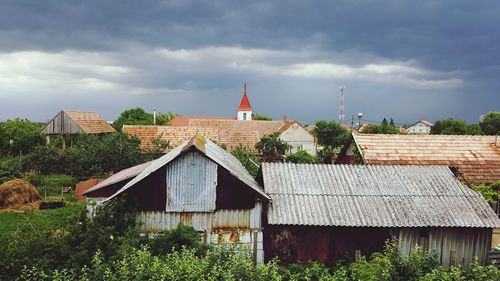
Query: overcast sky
column 408, row 60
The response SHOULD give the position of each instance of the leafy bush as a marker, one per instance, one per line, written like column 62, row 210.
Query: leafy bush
column 301, row 157
column 248, row 158
column 10, row 168
column 175, row 240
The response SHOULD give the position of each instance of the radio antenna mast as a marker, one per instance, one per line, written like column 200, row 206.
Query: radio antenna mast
column 341, row 110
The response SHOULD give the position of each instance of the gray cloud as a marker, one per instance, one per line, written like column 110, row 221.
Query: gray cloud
column 401, row 59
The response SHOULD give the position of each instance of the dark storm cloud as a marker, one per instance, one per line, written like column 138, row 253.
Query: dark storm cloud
column 187, row 55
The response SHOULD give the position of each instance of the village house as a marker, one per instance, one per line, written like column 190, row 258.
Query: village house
column 198, row 184
column 421, row 127
column 68, row 123
column 230, row 131
column 331, row 212
column 476, row 159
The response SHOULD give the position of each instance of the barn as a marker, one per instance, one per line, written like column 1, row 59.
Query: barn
column 332, row 212
column 199, row 184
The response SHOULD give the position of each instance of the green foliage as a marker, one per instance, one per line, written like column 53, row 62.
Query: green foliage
column 248, row 158
column 10, row 168
column 133, row 116
column 452, row 126
column 138, row 116
column 490, row 192
column 330, row 134
column 383, row 128
column 263, row 117
column 46, row 160
column 19, row 136
column 272, row 147
column 162, row 118
column 176, row 239
column 325, row 155
column 490, row 123
column 220, row 263
column 301, row 157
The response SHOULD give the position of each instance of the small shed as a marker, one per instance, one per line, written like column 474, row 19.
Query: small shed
column 331, row 212
column 71, row 122
column 198, row 184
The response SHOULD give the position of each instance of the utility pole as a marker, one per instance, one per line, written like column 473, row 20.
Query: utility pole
column 341, row 109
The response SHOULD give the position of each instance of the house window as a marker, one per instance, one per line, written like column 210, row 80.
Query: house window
column 244, row 116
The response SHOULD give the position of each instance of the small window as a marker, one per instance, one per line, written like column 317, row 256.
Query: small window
column 244, row 116
column 295, row 126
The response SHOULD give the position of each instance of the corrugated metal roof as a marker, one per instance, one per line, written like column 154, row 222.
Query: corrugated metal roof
column 374, row 196
column 120, row 176
column 209, row 149
column 477, row 157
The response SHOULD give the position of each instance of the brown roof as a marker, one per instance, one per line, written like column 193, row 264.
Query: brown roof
column 90, row 122
column 228, row 132
column 184, row 120
column 477, row 157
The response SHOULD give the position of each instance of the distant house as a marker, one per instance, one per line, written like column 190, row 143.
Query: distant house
column 475, row 158
column 70, row 122
column 198, row 184
column 421, row 127
column 228, row 132
column 331, row 212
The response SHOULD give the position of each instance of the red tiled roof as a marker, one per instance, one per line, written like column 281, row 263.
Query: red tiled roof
column 477, row 157
column 184, row 120
column 245, row 103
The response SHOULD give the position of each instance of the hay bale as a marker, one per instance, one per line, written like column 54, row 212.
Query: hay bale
column 18, row 194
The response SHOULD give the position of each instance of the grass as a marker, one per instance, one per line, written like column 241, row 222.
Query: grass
column 38, row 219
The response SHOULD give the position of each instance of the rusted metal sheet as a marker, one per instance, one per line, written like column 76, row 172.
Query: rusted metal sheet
column 191, row 182
column 452, row 245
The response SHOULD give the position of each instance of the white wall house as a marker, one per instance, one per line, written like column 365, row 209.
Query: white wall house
column 421, row 127
column 299, row 138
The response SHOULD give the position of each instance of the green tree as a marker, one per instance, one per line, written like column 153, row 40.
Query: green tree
column 263, row 117
column 248, row 158
column 490, row 123
column 384, row 128
column 20, row 136
column 162, row 118
column 133, row 116
column 301, row 157
column 10, row 168
column 452, row 126
column 272, row 147
column 330, row 134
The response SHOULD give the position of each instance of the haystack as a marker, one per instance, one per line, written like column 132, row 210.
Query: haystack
column 19, row 195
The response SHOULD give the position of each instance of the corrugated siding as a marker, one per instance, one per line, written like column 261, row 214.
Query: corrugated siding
column 191, row 184
column 376, row 196
column 452, row 245
column 221, row 219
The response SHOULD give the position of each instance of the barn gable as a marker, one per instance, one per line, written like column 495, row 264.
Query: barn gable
column 70, row 122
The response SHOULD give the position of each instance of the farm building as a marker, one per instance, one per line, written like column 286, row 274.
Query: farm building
column 329, row 212
column 475, row 158
column 70, row 122
column 199, row 184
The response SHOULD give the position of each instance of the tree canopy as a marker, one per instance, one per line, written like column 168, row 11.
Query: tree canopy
column 330, row 133
column 490, row 123
column 263, row 117
column 452, row 126
column 248, row 158
column 19, row 136
column 138, row 116
column 272, row 147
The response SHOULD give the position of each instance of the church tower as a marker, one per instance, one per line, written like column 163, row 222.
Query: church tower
column 245, row 110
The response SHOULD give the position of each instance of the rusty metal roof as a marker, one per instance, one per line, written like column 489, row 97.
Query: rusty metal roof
column 120, row 176
column 477, row 157
column 208, row 148
column 372, row 196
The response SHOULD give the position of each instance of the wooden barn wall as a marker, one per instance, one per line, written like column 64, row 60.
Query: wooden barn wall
column 233, row 193
column 324, row 244
column 151, row 192
column 61, row 124
column 452, row 245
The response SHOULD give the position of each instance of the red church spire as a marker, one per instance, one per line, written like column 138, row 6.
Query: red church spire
column 245, row 103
